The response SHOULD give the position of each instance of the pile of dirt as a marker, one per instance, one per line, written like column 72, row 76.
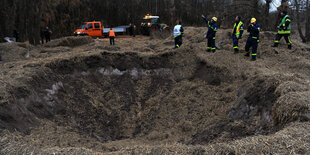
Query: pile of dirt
column 98, row 98
column 70, row 41
column 14, row 51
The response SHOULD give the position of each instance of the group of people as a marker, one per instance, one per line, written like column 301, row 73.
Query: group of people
column 45, row 34
column 284, row 30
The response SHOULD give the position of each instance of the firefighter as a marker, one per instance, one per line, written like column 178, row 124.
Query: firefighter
column 253, row 39
column 112, row 36
column 284, row 30
column 178, row 32
column 211, row 33
column 237, row 33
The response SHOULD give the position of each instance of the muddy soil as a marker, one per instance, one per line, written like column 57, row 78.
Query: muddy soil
column 83, row 96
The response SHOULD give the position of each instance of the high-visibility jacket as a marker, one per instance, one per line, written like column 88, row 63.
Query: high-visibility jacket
column 178, row 31
column 238, row 29
column 111, row 33
column 285, row 25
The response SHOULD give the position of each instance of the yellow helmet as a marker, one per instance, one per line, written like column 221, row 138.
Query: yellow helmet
column 214, row 19
column 253, row 20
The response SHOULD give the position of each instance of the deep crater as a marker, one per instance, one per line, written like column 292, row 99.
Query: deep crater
column 116, row 96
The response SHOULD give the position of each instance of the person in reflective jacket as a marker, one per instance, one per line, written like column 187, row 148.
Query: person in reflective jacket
column 284, row 30
column 178, row 32
column 237, row 33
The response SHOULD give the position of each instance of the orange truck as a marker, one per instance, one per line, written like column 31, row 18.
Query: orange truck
column 95, row 29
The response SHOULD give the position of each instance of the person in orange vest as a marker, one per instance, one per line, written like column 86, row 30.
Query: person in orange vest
column 112, row 36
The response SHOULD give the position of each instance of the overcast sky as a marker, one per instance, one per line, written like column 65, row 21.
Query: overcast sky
column 276, row 3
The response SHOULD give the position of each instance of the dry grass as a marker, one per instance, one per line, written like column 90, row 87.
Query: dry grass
column 192, row 105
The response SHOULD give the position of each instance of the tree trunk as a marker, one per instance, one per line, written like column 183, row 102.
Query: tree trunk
column 267, row 13
column 308, row 21
column 303, row 38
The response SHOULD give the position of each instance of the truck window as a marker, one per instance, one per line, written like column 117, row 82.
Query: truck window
column 90, row 26
column 97, row 26
column 154, row 20
column 82, row 26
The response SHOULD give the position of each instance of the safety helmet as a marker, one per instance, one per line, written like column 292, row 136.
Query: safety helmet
column 214, row 19
column 253, row 20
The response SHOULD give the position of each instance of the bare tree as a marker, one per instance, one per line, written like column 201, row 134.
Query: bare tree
column 302, row 36
column 308, row 20
column 267, row 8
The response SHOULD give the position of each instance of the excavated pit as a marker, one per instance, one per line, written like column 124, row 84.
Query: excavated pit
column 117, row 96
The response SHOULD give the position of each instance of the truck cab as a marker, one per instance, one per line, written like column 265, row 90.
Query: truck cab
column 93, row 29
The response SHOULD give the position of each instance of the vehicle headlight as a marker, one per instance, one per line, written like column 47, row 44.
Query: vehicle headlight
column 148, row 24
column 78, row 33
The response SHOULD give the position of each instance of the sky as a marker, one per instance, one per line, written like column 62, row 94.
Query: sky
column 276, row 3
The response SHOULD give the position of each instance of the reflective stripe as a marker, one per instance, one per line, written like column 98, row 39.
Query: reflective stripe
column 284, row 31
column 178, row 46
column 258, row 41
column 254, row 37
column 213, row 37
column 277, row 41
column 289, row 40
column 236, row 47
column 254, row 54
column 213, row 48
column 209, row 47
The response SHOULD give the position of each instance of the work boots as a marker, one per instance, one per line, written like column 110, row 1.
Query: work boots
column 290, row 47
column 247, row 54
column 275, row 45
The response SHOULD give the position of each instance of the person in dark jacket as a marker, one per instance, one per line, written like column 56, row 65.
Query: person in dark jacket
column 42, row 34
column 16, row 35
column 47, row 34
column 211, row 33
column 253, row 39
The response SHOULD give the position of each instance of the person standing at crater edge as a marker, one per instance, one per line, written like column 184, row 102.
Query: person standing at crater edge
column 253, row 39
column 284, row 30
column 211, row 33
column 112, row 36
column 237, row 33
column 178, row 32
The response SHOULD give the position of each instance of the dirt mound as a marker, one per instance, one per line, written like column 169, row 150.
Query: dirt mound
column 14, row 51
column 70, row 41
column 102, row 98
